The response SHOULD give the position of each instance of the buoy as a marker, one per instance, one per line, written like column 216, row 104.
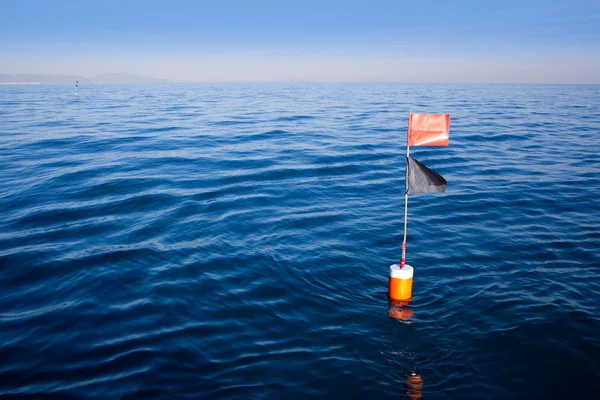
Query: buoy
column 414, row 386
column 400, row 282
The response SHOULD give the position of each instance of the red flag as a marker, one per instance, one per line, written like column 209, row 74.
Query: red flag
column 428, row 129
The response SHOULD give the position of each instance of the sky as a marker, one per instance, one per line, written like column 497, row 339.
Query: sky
column 306, row 40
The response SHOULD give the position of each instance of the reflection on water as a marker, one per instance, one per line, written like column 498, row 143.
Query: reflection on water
column 399, row 309
column 413, row 383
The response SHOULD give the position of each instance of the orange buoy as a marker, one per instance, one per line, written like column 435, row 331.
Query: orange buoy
column 400, row 282
column 414, row 386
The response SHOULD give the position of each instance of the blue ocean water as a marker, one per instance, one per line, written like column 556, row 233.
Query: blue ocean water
column 233, row 241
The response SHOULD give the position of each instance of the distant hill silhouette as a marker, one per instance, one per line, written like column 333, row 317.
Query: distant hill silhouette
column 53, row 79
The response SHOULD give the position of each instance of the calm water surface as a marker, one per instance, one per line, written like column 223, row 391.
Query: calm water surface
column 233, row 241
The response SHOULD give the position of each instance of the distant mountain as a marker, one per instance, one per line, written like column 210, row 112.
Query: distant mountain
column 123, row 78
column 53, row 79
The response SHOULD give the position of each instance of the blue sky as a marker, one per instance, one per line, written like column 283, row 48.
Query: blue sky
column 260, row 40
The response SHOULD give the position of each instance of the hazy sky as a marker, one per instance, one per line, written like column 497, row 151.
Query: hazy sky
column 298, row 40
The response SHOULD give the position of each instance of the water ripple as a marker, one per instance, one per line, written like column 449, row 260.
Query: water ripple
column 233, row 240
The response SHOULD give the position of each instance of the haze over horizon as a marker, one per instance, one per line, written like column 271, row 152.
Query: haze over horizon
column 382, row 40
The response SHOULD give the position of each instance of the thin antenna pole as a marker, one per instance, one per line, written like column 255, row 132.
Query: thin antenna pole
column 403, row 259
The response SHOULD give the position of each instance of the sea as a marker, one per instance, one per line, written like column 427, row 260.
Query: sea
column 233, row 241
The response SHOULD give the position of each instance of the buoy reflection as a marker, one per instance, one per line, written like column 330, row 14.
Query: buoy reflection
column 399, row 309
column 413, row 384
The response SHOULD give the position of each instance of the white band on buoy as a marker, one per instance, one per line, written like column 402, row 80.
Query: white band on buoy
column 401, row 273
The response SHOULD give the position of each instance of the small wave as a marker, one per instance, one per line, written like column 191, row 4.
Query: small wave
column 156, row 243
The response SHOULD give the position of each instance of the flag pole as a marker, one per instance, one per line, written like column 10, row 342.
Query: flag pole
column 403, row 259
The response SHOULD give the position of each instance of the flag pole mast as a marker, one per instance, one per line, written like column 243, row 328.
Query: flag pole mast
column 403, row 259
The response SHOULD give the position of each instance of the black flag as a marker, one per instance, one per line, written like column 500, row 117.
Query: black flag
column 422, row 179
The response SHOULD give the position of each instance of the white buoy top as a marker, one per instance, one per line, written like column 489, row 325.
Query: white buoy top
column 401, row 273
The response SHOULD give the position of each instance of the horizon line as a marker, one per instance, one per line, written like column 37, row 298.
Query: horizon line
column 167, row 81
